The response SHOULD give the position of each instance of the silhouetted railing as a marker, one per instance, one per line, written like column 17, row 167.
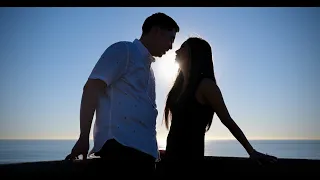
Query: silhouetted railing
column 216, row 166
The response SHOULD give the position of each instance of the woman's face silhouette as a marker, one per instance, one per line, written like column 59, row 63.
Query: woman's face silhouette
column 183, row 57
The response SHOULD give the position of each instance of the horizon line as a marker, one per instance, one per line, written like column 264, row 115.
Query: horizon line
column 214, row 139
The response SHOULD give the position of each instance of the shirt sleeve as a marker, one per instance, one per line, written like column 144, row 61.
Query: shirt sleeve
column 112, row 63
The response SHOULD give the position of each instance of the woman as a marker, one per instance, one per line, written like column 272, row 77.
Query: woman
column 191, row 104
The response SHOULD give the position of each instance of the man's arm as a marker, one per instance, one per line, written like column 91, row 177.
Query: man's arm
column 90, row 97
column 212, row 95
column 110, row 67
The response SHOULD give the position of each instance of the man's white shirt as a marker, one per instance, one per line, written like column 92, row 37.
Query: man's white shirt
column 127, row 112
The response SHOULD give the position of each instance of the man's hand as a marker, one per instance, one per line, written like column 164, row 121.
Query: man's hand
column 80, row 148
column 262, row 158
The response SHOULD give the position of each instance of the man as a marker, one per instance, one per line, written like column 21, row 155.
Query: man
column 121, row 89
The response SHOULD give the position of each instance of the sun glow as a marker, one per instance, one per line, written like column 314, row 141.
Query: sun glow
column 168, row 68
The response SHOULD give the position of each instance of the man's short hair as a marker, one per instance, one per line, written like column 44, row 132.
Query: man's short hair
column 160, row 20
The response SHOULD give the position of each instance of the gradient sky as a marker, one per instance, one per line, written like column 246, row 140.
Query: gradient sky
column 267, row 63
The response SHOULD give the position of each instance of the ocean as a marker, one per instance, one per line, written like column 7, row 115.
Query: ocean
column 16, row 151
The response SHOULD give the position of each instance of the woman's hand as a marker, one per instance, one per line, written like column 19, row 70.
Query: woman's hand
column 262, row 158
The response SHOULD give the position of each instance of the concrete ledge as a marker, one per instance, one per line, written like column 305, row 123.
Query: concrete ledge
column 226, row 166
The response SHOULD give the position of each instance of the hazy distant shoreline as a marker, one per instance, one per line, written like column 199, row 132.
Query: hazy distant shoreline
column 164, row 139
column 32, row 150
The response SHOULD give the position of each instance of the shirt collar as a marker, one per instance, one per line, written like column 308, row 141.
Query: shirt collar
column 144, row 51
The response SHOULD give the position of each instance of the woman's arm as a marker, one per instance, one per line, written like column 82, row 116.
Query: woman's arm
column 211, row 95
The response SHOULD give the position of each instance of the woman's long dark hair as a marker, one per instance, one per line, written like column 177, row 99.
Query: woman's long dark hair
column 201, row 66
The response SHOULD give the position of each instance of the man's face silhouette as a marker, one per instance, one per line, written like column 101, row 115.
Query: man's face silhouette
column 163, row 41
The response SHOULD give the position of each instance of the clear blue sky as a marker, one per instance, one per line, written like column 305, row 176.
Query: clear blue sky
column 266, row 61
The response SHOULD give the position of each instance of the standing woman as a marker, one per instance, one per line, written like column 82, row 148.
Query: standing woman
column 190, row 106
